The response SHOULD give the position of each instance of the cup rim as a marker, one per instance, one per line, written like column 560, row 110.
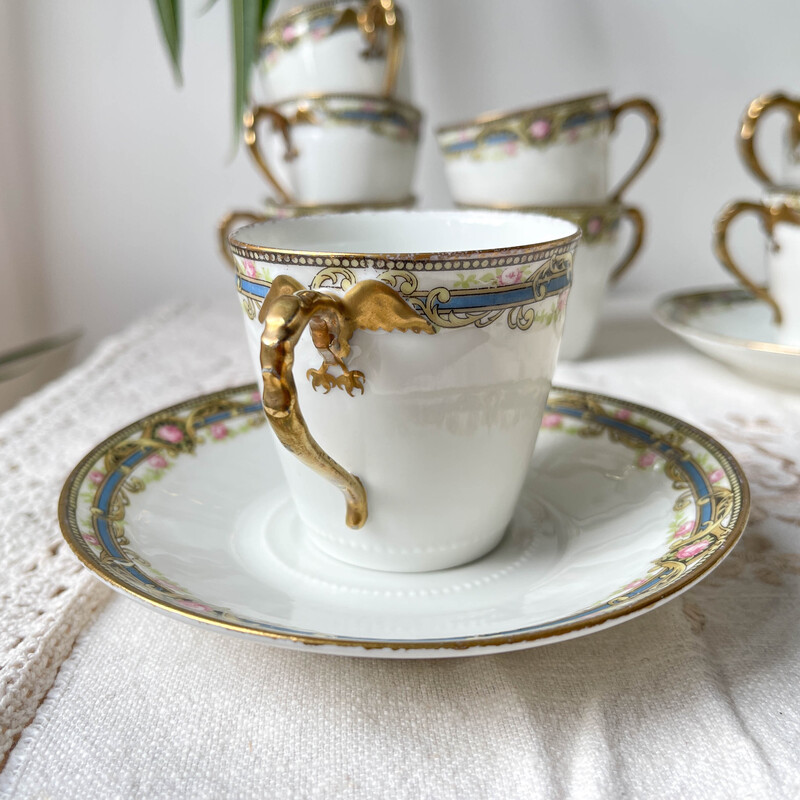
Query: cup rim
column 270, row 205
column 299, row 11
column 501, row 116
column 372, row 98
column 401, row 260
column 610, row 206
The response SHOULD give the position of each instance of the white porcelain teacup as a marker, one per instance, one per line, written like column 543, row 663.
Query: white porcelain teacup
column 433, row 340
column 780, row 216
column 556, row 154
column 600, row 260
column 335, row 46
column 757, row 111
column 337, row 149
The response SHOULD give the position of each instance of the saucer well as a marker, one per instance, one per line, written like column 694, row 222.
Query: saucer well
column 187, row 510
column 735, row 328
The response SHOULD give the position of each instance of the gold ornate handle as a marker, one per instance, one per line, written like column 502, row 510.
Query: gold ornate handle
column 648, row 111
column 637, row 240
column 722, row 223
column 747, row 135
column 383, row 14
column 226, row 226
column 252, row 119
column 286, row 311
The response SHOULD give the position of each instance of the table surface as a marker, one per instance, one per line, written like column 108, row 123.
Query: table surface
column 102, row 697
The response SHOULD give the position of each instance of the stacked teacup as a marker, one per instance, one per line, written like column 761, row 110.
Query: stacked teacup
column 554, row 159
column 779, row 213
column 333, row 131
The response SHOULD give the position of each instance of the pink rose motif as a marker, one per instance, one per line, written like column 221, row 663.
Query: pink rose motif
column 635, row 585
column 551, row 420
column 594, row 226
column 249, row 267
column 87, row 537
column 219, row 430
column 692, row 550
column 646, row 460
column 96, row 477
column 562, row 300
column 289, row 33
column 510, row 275
column 716, row 476
column 510, row 148
column 195, row 606
column 318, row 33
column 623, row 414
column 255, row 397
column 684, row 530
column 540, row 129
column 170, row 433
column 157, row 461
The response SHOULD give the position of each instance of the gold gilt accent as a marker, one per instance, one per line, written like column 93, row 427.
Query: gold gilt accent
column 286, row 311
column 653, row 122
column 750, row 124
column 231, row 221
column 770, row 215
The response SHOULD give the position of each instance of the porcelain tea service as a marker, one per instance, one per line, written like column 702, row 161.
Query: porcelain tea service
column 433, row 340
column 556, row 155
column 335, row 47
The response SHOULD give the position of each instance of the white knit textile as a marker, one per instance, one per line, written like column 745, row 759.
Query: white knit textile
column 698, row 699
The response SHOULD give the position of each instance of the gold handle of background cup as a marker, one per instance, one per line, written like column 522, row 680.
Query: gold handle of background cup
column 383, row 14
column 227, row 224
column 637, row 240
column 722, row 223
column 650, row 114
column 747, row 135
column 252, row 119
column 286, row 311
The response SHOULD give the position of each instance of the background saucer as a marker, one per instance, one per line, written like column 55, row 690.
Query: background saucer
column 735, row 328
column 187, row 510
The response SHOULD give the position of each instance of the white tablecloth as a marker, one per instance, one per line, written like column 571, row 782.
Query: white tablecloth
column 101, row 697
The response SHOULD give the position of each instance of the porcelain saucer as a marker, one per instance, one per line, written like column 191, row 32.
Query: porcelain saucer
column 734, row 327
column 187, row 510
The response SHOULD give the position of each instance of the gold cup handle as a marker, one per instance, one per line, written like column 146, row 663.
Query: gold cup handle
column 637, row 240
column 383, row 14
column 226, row 226
column 252, row 119
column 286, row 311
column 769, row 216
column 648, row 111
column 747, row 135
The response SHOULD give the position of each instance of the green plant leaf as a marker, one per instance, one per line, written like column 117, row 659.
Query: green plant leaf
column 246, row 24
column 169, row 18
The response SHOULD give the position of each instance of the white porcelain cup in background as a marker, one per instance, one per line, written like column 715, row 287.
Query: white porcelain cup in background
column 599, row 261
column 335, row 46
column 337, row 149
column 556, row 154
column 779, row 214
column 789, row 168
column 433, row 340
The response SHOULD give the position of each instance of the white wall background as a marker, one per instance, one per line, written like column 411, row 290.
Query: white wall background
column 112, row 179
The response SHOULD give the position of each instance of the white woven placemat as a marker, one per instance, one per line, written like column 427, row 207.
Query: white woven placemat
column 696, row 699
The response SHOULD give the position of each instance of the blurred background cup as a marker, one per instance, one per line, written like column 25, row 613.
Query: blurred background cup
column 557, row 154
column 272, row 210
column 433, row 432
column 599, row 260
column 788, row 164
column 336, row 149
column 779, row 214
column 332, row 47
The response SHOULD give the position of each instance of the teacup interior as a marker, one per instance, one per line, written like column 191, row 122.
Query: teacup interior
column 405, row 232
